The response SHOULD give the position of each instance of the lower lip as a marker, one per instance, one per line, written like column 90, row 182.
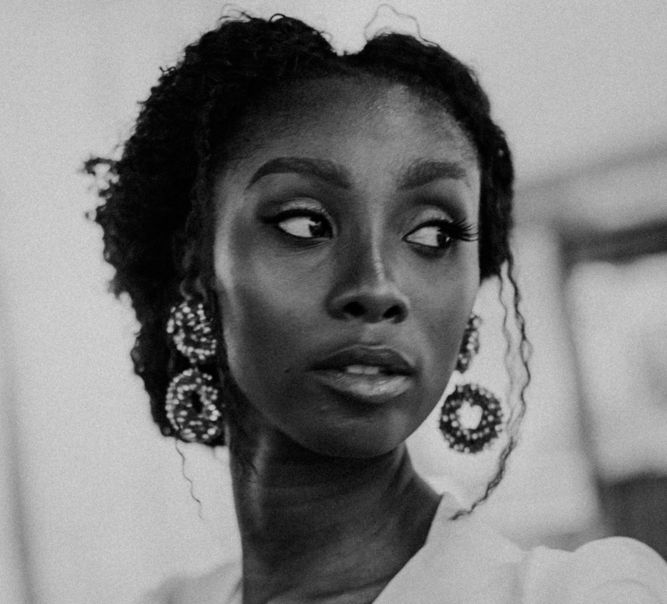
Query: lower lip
column 369, row 388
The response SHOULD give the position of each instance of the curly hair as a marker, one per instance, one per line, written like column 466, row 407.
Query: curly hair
column 156, row 207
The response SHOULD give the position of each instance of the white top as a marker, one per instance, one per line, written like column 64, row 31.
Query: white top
column 465, row 562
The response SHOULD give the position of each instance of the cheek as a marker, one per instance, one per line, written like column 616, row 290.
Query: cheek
column 255, row 320
column 443, row 311
column 265, row 317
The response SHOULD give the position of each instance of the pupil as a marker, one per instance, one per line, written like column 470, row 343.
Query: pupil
column 317, row 228
column 443, row 239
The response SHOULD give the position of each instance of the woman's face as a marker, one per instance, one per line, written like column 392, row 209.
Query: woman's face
column 345, row 261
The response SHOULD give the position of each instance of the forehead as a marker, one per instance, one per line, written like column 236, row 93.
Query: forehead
column 348, row 120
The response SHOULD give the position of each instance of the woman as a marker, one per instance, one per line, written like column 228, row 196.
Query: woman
column 303, row 236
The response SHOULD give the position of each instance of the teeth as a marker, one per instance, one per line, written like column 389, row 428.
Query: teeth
column 362, row 369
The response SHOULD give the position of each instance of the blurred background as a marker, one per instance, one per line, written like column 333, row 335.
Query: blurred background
column 93, row 503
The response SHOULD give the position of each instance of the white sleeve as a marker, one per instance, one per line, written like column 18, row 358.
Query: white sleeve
column 616, row 570
column 221, row 585
column 620, row 570
column 163, row 594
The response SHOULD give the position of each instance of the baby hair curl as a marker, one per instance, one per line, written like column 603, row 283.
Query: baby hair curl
column 156, row 205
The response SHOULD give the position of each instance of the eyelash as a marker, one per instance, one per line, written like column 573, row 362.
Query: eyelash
column 453, row 229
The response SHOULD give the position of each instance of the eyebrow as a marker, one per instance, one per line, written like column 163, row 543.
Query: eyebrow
column 419, row 173
column 422, row 172
column 320, row 168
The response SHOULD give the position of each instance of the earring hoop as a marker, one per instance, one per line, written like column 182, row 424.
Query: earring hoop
column 471, row 418
column 192, row 331
column 192, row 406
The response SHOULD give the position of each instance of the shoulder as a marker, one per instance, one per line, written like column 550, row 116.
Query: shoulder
column 612, row 570
column 218, row 586
column 472, row 563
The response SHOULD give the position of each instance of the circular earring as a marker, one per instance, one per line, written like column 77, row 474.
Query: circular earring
column 471, row 417
column 192, row 331
column 193, row 403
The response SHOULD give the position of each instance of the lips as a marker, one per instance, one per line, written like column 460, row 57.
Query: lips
column 386, row 359
column 371, row 374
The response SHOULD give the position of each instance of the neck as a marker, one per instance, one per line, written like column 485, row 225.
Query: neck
column 313, row 525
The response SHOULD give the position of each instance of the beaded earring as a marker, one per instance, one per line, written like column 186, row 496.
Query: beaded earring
column 193, row 406
column 471, row 416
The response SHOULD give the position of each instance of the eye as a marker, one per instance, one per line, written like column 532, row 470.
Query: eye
column 431, row 235
column 440, row 234
column 303, row 224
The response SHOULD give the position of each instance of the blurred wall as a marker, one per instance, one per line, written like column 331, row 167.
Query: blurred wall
column 104, row 510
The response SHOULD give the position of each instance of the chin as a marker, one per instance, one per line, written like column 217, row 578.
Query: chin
column 353, row 442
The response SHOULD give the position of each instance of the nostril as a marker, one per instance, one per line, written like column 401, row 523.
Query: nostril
column 394, row 313
column 354, row 309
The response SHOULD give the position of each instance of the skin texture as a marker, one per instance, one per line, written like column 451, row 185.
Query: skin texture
column 332, row 508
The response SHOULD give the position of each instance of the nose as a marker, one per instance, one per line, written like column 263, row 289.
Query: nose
column 368, row 293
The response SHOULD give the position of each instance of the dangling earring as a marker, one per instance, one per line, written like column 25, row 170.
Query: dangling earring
column 471, row 416
column 193, row 405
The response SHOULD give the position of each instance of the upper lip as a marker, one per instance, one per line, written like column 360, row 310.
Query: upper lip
column 386, row 358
